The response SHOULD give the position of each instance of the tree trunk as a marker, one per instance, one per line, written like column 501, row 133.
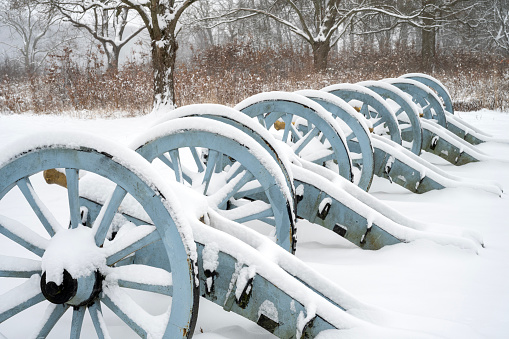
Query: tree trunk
column 164, row 54
column 321, row 51
column 112, row 56
column 428, row 38
column 428, row 49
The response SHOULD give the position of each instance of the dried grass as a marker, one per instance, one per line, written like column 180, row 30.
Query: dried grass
column 230, row 73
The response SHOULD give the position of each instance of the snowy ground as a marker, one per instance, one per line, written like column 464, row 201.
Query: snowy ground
column 421, row 278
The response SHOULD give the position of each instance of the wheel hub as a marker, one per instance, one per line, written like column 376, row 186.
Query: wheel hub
column 75, row 292
column 71, row 266
column 59, row 294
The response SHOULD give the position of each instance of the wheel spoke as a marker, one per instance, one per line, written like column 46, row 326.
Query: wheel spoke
column 23, row 236
column 45, row 216
column 185, row 172
column 105, row 217
column 73, row 195
column 365, row 110
column 20, row 298
column 271, row 118
column 322, row 157
column 211, row 163
column 268, row 220
column 295, row 133
column 427, row 111
column 399, row 111
column 130, row 242
column 177, row 167
column 197, row 160
column 299, row 146
column 98, row 320
column 127, row 310
column 350, row 136
column 252, row 211
column 78, row 314
column 261, row 120
column 14, row 267
column 220, row 197
column 235, row 170
column 142, row 277
column 251, row 188
column 288, row 126
column 53, row 313
column 378, row 123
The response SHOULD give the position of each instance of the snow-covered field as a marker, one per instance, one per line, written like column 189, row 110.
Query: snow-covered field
column 460, row 288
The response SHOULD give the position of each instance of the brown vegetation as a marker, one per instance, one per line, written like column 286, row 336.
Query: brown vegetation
column 230, row 73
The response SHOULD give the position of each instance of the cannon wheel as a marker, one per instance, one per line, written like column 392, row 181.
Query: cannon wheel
column 308, row 128
column 435, row 85
column 240, row 179
column 407, row 113
column 358, row 139
column 423, row 96
column 373, row 107
column 76, row 268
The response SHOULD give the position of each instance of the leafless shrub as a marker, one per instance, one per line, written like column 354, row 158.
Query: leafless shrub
column 230, row 73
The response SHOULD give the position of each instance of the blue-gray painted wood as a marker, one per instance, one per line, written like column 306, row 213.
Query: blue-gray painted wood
column 363, row 142
column 463, row 133
column 282, row 208
column 423, row 96
column 434, row 84
column 395, row 94
column 259, row 290
column 98, row 320
column 390, row 167
column 73, row 196
column 78, row 315
column 232, row 121
column 42, row 212
column 110, row 208
column 455, row 154
column 373, row 100
column 185, row 302
column 57, row 311
column 340, row 219
column 280, row 107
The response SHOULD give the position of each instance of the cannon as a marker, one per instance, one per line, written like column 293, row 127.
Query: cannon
column 204, row 205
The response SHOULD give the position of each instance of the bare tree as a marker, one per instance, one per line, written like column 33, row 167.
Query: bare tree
column 34, row 31
column 438, row 14
column 500, row 25
column 105, row 20
column 161, row 18
column 322, row 23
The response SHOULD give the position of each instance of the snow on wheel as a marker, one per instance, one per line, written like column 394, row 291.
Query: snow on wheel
column 308, row 128
column 435, row 85
column 354, row 126
column 424, row 97
column 240, row 179
column 405, row 110
column 381, row 117
column 66, row 268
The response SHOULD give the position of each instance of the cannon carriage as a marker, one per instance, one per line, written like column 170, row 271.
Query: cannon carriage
column 204, row 204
